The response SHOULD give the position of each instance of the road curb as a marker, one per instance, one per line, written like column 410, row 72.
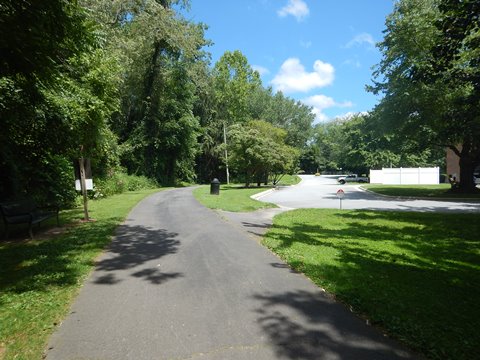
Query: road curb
column 261, row 194
column 266, row 192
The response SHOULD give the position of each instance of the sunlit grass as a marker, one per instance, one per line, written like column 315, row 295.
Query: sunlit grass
column 414, row 274
column 289, row 180
column 231, row 198
column 40, row 278
column 426, row 191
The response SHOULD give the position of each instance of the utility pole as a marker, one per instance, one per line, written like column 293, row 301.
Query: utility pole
column 226, row 151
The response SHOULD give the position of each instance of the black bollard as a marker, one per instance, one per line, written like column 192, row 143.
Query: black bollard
column 215, row 187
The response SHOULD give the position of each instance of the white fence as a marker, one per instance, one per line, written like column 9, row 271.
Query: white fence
column 405, row 176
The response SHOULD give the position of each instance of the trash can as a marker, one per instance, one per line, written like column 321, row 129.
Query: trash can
column 215, row 187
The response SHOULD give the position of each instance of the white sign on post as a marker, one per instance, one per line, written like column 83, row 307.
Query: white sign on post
column 84, row 182
column 340, row 195
column 88, row 183
column 87, row 173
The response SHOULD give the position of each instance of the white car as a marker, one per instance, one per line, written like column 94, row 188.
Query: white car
column 353, row 178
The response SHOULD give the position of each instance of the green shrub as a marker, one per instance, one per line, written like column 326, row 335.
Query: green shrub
column 120, row 182
column 52, row 182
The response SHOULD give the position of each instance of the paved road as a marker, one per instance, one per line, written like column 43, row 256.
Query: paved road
column 179, row 282
column 320, row 192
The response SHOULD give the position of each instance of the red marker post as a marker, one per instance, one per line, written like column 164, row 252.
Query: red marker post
column 340, row 195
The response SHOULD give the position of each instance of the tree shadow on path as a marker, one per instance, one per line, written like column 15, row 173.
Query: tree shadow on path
column 135, row 247
column 306, row 325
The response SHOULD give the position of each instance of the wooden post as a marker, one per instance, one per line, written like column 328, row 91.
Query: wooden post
column 83, row 185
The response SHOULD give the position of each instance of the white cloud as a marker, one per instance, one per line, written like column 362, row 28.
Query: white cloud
column 349, row 115
column 296, row 8
column 292, row 76
column 322, row 102
column 361, row 39
column 319, row 116
column 261, row 70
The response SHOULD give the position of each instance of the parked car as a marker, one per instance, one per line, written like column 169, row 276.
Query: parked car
column 353, row 178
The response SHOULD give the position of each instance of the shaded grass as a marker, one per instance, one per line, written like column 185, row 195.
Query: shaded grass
column 426, row 191
column 231, row 198
column 414, row 274
column 40, row 278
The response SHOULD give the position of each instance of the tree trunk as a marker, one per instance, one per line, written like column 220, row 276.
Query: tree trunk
column 248, row 178
column 467, row 166
column 467, row 183
column 148, row 108
column 153, row 70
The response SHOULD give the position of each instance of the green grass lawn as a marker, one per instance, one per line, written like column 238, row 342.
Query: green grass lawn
column 40, row 278
column 289, row 180
column 427, row 191
column 416, row 275
column 231, row 198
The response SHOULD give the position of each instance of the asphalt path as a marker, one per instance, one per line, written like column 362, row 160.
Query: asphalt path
column 180, row 282
column 321, row 192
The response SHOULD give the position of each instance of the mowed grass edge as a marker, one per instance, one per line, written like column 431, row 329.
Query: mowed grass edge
column 233, row 198
column 414, row 274
column 39, row 279
column 440, row 191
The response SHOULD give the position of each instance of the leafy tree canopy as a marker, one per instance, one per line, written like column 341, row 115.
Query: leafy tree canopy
column 258, row 150
column 429, row 77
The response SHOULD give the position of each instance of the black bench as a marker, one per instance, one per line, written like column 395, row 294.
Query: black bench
column 26, row 212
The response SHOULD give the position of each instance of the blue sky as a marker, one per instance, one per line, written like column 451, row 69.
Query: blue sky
column 320, row 52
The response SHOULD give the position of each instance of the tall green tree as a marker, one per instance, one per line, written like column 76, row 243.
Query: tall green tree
column 365, row 149
column 293, row 116
column 429, row 77
column 57, row 89
column 258, row 151
column 209, row 162
column 39, row 36
column 353, row 144
column 234, row 81
column 456, row 62
column 160, row 51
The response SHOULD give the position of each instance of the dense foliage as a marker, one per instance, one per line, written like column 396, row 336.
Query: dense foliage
column 130, row 85
column 430, row 77
column 55, row 97
column 258, row 151
column 354, row 144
